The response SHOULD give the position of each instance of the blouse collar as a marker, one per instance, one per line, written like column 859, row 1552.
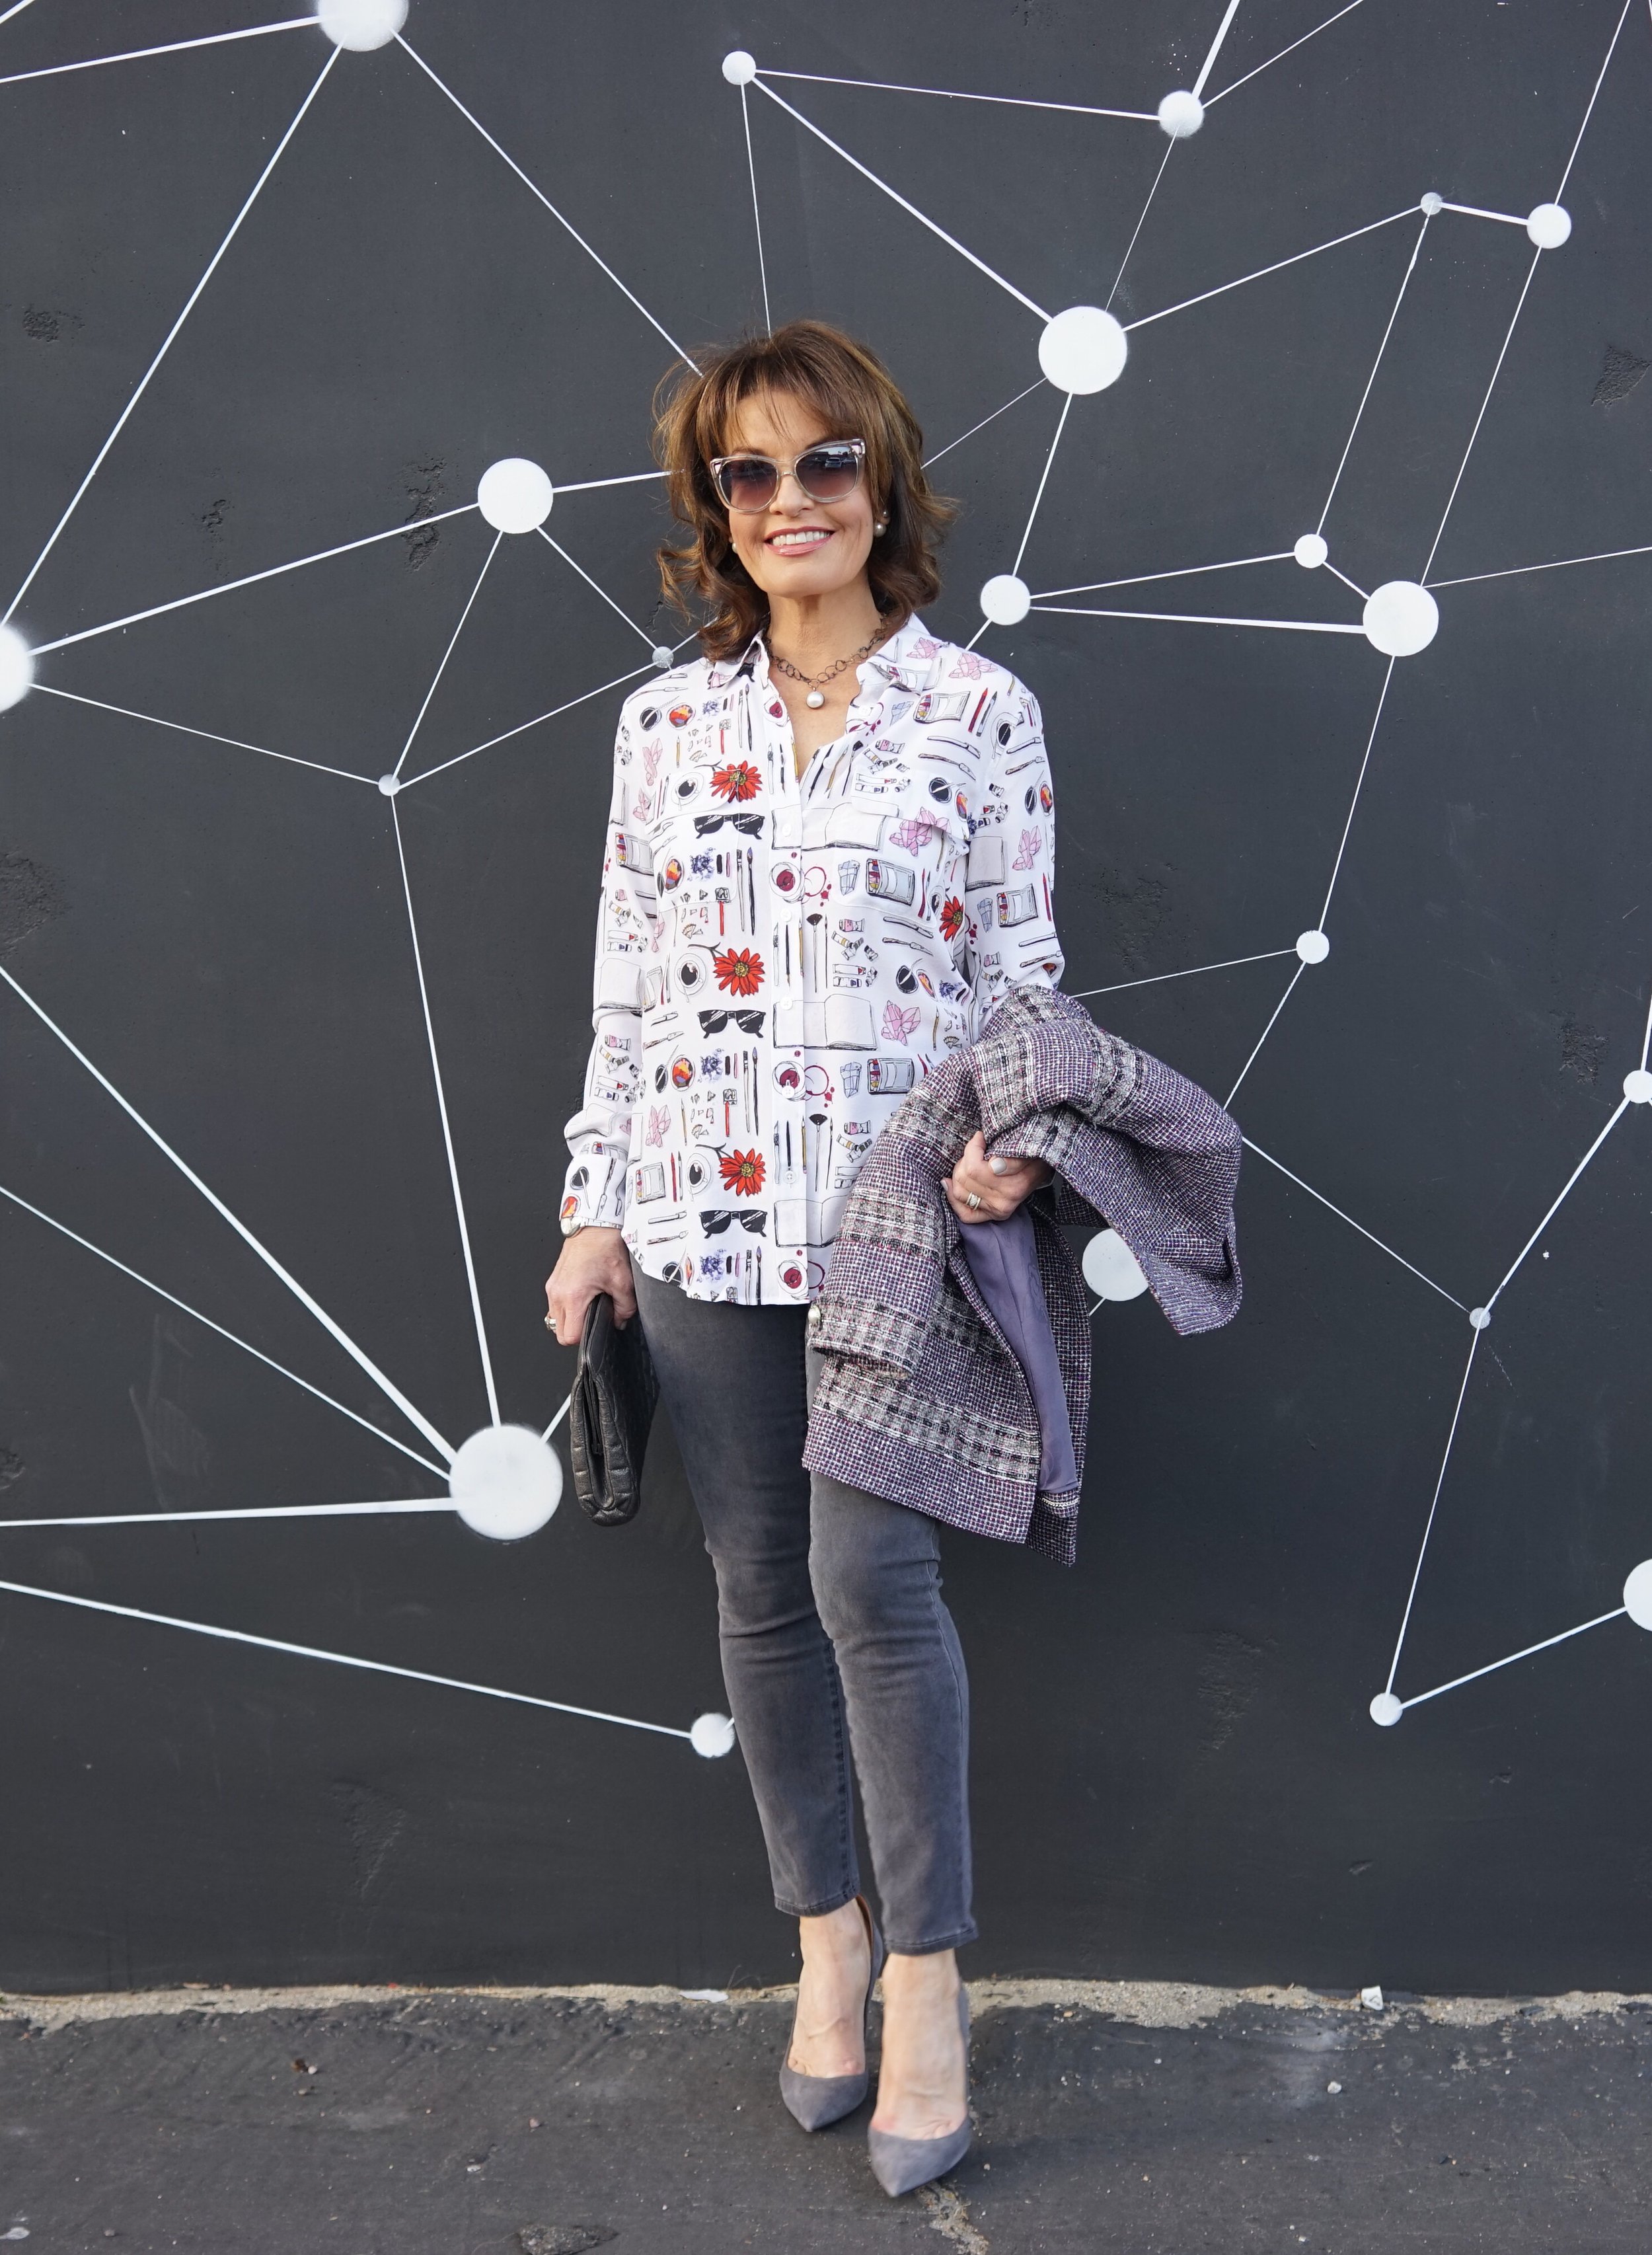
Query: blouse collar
column 905, row 658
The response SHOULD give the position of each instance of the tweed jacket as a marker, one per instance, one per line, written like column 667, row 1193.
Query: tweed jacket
column 919, row 1396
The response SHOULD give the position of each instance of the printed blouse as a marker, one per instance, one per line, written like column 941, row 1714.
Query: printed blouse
column 780, row 960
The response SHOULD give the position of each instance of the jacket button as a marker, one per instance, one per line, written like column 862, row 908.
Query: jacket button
column 814, row 1316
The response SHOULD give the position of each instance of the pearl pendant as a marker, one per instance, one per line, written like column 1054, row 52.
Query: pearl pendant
column 816, row 697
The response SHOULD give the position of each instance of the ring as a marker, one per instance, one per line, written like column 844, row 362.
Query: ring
column 550, row 1323
column 972, row 1201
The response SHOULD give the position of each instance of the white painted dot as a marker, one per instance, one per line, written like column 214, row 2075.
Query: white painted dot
column 1637, row 1086
column 505, row 1482
column 515, row 496
column 1111, row 1270
column 1637, row 1595
column 389, row 785
column 1310, row 552
column 1335, row 2090
column 1083, row 350
column 1005, row 599
column 1432, row 204
column 362, row 25
column 1479, row 1318
column 711, row 1735
column 1313, row 947
column 1180, row 114
column 1401, row 618
column 1548, row 226
column 1386, row 1709
column 739, row 68
column 17, row 668
column 663, row 654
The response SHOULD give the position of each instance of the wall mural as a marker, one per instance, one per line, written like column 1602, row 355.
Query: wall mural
column 504, row 1479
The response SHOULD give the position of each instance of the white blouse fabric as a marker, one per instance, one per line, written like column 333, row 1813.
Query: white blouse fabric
column 780, row 960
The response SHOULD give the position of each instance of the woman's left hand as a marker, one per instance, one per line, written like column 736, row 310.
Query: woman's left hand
column 997, row 1186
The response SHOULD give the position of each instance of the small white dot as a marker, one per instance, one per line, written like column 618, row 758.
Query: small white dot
column 1005, row 599
column 389, row 785
column 739, row 68
column 1479, row 1318
column 663, row 654
column 1432, row 204
column 1637, row 1595
column 711, row 1735
column 1180, row 114
column 17, row 668
column 1335, row 2090
column 362, row 25
column 1401, row 618
column 1310, row 552
column 1313, row 947
column 1111, row 1270
column 1548, row 226
column 515, row 496
column 1637, row 1086
column 1083, row 350
column 505, row 1482
column 1386, row 1709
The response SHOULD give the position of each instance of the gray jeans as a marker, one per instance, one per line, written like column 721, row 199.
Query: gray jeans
column 832, row 1631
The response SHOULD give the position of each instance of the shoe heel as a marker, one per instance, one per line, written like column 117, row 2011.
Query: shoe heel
column 902, row 2163
column 814, row 2102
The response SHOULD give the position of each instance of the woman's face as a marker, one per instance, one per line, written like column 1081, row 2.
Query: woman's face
column 796, row 546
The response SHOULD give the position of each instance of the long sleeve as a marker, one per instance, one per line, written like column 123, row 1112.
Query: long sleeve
column 1010, row 885
column 599, row 1134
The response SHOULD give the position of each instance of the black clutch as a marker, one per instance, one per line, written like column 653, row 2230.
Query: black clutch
column 615, row 1390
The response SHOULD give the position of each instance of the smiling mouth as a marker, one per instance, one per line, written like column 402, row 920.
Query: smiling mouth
column 801, row 542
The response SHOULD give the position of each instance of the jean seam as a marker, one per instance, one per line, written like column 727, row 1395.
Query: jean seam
column 835, row 1696
column 943, row 1622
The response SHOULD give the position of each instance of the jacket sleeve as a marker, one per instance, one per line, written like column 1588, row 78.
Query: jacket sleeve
column 1009, row 884
column 598, row 1135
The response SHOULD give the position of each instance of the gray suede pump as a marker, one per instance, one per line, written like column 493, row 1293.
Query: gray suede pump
column 816, row 2100
column 902, row 2163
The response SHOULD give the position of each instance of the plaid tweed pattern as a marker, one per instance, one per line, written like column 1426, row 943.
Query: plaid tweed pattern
column 921, row 1398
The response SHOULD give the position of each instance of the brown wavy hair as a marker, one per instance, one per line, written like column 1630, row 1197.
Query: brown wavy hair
column 853, row 395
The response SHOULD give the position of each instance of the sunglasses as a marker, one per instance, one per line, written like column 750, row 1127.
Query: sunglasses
column 749, row 825
column 716, row 1022
column 829, row 471
column 714, row 1219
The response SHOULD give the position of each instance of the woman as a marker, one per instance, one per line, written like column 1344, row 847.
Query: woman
column 829, row 858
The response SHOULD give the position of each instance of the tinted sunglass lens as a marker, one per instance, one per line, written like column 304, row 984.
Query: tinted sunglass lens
column 829, row 473
column 748, row 485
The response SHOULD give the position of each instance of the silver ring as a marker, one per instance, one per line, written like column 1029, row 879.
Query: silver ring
column 972, row 1201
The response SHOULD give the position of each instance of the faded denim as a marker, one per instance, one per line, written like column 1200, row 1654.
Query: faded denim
column 834, row 1634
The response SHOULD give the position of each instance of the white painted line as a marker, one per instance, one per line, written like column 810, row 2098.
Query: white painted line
column 591, row 584
column 339, row 1658
column 1184, row 571
column 1215, row 48
column 1130, row 247
column 239, row 1226
column 1036, row 385
column 946, row 94
column 181, row 729
column 1359, row 785
column 1199, row 618
column 1289, row 990
column 1572, row 1179
column 1352, row 1223
column 523, row 726
column 1158, row 977
column 1277, row 267
column 1560, row 564
column 1049, row 460
column 1233, row 84
column 418, row 1503
column 139, row 54
column 1405, row 279
column 1457, row 1682
column 1508, row 339
column 1434, row 1504
column 757, row 216
column 452, row 642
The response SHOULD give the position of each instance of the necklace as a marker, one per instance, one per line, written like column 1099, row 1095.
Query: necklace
column 816, row 681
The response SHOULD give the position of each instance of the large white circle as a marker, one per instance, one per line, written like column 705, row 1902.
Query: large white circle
column 1005, row 599
column 1637, row 1595
column 515, row 496
column 1111, row 1270
column 663, row 655
column 1313, row 947
column 17, row 668
column 1432, row 204
column 1401, row 618
column 1310, row 550
column 1181, row 113
column 1548, row 226
column 1083, row 350
column 361, row 24
column 1386, row 1709
column 711, row 1735
column 739, row 68
column 506, row 1482
column 1637, row 1086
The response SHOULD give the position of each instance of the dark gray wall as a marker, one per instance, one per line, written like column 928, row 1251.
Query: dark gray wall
column 1175, row 1774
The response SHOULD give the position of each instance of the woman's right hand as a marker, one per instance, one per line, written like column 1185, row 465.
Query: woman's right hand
column 593, row 1261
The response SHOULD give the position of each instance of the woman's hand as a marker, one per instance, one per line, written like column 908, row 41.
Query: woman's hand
column 593, row 1261
column 1000, row 1185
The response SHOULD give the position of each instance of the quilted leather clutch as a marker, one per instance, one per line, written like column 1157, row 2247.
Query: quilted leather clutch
column 615, row 1390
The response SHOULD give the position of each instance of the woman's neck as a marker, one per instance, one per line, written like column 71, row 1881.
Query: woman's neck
column 815, row 630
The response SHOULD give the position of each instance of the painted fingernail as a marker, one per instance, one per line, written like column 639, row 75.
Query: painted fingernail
column 1001, row 1166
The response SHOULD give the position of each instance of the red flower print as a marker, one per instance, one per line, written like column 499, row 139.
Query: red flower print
column 740, row 782
column 953, row 918
column 739, row 970
column 743, row 1172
